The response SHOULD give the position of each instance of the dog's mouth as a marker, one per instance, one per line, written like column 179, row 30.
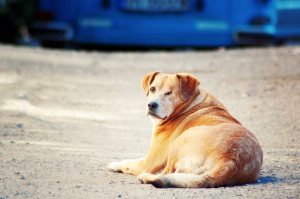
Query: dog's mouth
column 156, row 116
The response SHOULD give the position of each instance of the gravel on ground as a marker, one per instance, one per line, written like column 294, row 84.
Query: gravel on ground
column 65, row 115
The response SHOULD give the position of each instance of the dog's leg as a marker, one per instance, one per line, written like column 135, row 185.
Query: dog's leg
column 134, row 167
column 147, row 178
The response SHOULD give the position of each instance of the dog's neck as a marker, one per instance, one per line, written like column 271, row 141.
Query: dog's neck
column 198, row 100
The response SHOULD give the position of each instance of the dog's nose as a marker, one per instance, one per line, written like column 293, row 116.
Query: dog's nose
column 152, row 105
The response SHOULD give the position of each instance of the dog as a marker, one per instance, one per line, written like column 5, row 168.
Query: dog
column 196, row 142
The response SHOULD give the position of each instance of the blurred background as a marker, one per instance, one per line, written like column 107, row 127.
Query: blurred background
column 149, row 23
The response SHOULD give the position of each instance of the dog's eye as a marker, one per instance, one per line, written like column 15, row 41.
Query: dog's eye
column 152, row 89
column 169, row 93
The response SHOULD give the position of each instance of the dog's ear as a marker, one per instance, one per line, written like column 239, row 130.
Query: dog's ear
column 147, row 81
column 188, row 85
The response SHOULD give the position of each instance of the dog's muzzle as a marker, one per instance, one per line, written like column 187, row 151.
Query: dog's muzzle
column 152, row 107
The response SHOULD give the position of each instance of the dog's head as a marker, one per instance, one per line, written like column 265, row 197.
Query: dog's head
column 167, row 92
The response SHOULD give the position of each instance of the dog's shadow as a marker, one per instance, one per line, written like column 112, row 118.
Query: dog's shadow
column 267, row 179
column 261, row 180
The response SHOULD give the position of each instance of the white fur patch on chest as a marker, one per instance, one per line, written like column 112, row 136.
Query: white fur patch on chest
column 155, row 122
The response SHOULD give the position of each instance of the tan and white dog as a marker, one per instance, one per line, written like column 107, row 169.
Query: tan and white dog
column 196, row 142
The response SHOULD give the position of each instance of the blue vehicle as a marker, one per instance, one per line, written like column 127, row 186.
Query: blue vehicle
column 168, row 23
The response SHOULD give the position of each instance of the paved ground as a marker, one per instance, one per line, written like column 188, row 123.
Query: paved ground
column 65, row 115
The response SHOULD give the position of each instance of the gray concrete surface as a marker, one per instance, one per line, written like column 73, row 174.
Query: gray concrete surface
column 65, row 115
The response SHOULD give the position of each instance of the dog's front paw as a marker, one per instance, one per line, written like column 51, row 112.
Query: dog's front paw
column 114, row 166
column 144, row 178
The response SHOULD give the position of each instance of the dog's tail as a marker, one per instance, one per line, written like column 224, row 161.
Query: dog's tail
column 185, row 181
column 220, row 175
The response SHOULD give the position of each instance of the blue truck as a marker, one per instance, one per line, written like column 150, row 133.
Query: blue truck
column 168, row 23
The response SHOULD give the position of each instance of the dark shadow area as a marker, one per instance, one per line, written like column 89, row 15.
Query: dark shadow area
column 267, row 179
column 137, row 48
column 95, row 47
